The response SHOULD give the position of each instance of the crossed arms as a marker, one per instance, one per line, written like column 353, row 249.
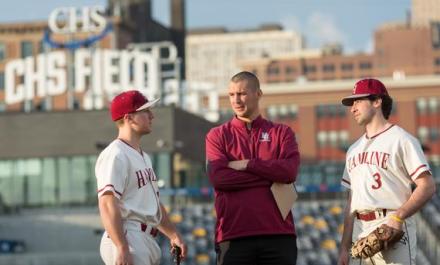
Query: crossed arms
column 240, row 174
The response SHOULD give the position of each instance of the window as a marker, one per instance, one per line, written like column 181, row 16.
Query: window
column 289, row 70
column 41, row 47
column 2, row 80
column 347, row 67
column 422, row 105
column 272, row 112
column 26, row 49
column 423, row 134
column 328, row 68
column 341, row 112
column 322, row 138
column 435, row 34
column 320, row 110
column 273, row 70
column 433, row 105
column 343, row 137
column 309, row 69
column 437, row 61
column 2, row 51
column 333, row 138
column 365, row 65
column 433, row 134
column 282, row 111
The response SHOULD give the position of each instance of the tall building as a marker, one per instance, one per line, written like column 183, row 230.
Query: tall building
column 399, row 50
column 423, row 12
column 212, row 55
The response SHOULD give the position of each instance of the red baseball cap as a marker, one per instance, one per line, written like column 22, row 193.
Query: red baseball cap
column 128, row 102
column 364, row 88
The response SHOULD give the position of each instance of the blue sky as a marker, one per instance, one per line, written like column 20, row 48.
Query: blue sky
column 351, row 22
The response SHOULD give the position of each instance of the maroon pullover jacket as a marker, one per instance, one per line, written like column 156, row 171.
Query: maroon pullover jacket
column 243, row 200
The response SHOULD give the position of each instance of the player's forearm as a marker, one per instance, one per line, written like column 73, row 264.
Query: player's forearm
column 348, row 226
column 112, row 221
column 166, row 226
column 348, row 232
column 423, row 192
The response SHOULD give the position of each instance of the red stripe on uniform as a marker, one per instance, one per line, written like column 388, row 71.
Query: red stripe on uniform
column 379, row 133
column 113, row 187
column 415, row 171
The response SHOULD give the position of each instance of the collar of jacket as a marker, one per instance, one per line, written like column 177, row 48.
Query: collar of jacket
column 257, row 123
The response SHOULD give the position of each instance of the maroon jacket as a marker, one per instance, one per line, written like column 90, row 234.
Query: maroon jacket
column 243, row 201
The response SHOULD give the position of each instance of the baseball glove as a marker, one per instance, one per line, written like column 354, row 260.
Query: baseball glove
column 380, row 239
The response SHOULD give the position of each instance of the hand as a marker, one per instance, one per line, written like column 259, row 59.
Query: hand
column 177, row 240
column 238, row 164
column 124, row 257
column 344, row 257
column 394, row 224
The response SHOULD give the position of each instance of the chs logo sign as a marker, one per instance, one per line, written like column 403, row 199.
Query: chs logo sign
column 96, row 72
column 71, row 19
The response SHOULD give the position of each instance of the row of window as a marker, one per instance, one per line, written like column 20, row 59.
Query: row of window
column 48, row 181
column 309, row 68
column 332, row 110
column 330, row 173
column 324, row 172
column 426, row 134
column 428, row 105
column 333, row 138
column 282, row 111
column 26, row 49
column 59, row 180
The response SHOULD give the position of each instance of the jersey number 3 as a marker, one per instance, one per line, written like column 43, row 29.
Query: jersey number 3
column 377, row 179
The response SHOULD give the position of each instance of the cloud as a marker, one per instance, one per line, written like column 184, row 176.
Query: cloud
column 369, row 48
column 321, row 29
column 291, row 23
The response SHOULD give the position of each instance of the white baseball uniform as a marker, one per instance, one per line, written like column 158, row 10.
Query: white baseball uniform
column 380, row 170
column 129, row 175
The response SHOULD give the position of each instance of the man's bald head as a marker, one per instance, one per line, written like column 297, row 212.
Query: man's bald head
column 251, row 80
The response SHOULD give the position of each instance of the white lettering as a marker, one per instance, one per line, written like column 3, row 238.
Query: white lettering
column 96, row 71
column 83, row 69
column 111, row 70
column 14, row 70
column 71, row 19
column 58, row 20
column 35, row 75
column 56, row 73
column 97, row 19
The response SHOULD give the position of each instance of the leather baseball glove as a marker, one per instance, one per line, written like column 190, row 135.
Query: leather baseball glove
column 382, row 238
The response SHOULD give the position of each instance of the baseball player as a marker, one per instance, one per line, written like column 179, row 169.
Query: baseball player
column 127, row 189
column 380, row 169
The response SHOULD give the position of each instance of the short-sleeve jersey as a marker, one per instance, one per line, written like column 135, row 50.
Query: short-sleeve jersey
column 129, row 175
column 380, row 170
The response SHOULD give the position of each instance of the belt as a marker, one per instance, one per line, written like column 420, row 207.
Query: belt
column 373, row 215
column 136, row 226
column 149, row 229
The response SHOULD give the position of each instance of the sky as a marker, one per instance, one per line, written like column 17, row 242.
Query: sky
column 350, row 22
